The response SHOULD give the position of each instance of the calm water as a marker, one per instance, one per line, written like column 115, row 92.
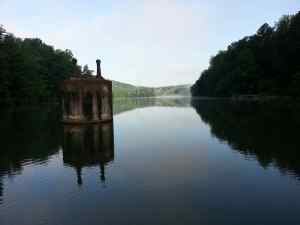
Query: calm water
column 162, row 161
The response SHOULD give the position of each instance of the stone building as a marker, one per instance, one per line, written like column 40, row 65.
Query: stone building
column 87, row 99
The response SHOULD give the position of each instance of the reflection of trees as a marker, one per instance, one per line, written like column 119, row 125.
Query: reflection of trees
column 88, row 145
column 126, row 104
column 27, row 135
column 267, row 130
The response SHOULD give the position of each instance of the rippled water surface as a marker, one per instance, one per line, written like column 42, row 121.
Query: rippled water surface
column 162, row 161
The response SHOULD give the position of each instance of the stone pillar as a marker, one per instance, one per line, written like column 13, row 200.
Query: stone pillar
column 76, row 114
column 95, row 108
column 105, row 108
column 106, row 103
column 72, row 106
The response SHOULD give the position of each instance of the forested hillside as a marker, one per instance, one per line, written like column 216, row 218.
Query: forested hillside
column 182, row 90
column 31, row 70
column 266, row 63
column 127, row 90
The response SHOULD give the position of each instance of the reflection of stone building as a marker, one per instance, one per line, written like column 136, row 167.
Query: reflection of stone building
column 87, row 146
column 87, row 99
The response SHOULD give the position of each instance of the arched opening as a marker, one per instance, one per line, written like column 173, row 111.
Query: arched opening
column 66, row 102
column 99, row 104
column 88, row 106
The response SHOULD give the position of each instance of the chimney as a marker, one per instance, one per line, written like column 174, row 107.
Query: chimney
column 98, row 61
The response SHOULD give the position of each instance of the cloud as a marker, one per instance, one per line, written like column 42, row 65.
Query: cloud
column 141, row 42
column 145, row 42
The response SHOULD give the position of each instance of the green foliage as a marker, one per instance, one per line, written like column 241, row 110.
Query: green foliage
column 178, row 90
column 266, row 63
column 128, row 90
column 30, row 70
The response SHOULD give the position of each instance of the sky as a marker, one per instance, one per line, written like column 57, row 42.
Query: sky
column 142, row 42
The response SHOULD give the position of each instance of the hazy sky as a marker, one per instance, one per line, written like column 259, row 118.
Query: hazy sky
column 143, row 42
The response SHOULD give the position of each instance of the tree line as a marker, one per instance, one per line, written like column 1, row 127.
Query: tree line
column 30, row 70
column 266, row 63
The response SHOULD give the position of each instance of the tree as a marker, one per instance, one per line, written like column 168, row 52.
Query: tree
column 265, row 63
column 265, row 30
column 31, row 70
column 2, row 32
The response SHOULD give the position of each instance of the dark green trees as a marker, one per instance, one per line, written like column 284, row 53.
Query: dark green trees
column 30, row 70
column 266, row 63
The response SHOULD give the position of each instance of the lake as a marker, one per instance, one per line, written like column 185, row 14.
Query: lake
column 161, row 161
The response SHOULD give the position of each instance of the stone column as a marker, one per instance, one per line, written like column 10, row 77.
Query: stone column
column 80, row 110
column 105, row 108
column 76, row 106
column 72, row 106
column 95, row 108
column 106, row 100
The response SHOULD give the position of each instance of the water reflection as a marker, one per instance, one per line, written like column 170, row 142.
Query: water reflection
column 31, row 135
column 126, row 104
column 169, row 169
column 88, row 145
column 28, row 136
column 266, row 131
column 1, row 190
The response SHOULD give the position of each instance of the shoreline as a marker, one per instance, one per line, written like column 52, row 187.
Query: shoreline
column 247, row 98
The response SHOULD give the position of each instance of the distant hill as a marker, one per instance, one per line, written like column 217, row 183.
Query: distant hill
column 182, row 90
column 127, row 90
